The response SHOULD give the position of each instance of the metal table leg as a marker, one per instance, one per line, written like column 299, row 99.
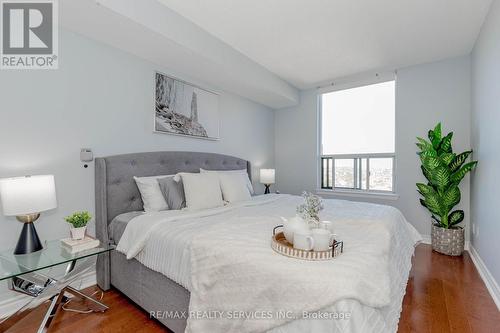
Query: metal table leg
column 43, row 288
column 51, row 312
column 100, row 306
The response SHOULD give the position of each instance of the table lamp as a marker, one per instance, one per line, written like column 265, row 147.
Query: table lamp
column 25, row 198
column 267, row 178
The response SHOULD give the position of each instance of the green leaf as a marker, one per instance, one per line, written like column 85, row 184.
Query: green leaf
column 445, row 144
column 428, row 153
column 426, row 173
column 430, row 163
column 433, row 204
column 424, row 189
column 456, row 217
column 459, row 160
column 431, row 207
column 434, row 210
column 447, row 158
column 435, row 136
column 422, row 140
column 451, row 197
column 423, row 144
column 431, row 199
column 431, row 136
column 435, row 219
column 460, row 174
column 437, row 131
column 440, row 177
column 422, row 202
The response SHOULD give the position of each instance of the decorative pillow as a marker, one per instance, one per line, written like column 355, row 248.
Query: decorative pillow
column 234, row 187
column 151, row 195
column 173, row 192
column 242, row 171
column 202, row 190
column 178, row 176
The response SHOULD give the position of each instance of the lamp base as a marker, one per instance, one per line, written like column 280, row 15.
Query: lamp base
column 28, row 240
column 267, row 191
column 27, row 218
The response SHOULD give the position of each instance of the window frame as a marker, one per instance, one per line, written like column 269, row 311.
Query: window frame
column 357, row 176
column 350, row 84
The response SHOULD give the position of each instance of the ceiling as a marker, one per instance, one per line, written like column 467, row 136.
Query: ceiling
column 311, row 42
column 176, row 46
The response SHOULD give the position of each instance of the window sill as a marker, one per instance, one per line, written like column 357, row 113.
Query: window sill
column 359, row 194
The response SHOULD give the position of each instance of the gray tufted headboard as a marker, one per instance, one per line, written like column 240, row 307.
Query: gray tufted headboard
column 117, row 193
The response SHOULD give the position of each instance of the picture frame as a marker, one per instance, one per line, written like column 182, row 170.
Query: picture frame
column 184, row 109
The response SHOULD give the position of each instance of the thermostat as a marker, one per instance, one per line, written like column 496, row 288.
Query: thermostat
column 86, row 155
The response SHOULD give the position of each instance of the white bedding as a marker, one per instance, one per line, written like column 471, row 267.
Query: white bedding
column 165, row 242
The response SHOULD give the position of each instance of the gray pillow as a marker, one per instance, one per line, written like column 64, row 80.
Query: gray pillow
column 173, row 192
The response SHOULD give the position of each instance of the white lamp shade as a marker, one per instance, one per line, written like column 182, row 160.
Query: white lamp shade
column 27, row 195
column 267, row 176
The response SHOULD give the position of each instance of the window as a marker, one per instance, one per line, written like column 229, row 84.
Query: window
column 357, row 138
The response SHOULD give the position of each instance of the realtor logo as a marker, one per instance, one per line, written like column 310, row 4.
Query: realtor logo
column 29, row 34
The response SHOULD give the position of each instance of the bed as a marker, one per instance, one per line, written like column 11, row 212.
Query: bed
column 171, row 263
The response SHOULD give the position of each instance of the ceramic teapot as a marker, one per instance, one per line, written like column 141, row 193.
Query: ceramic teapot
column 292, row 225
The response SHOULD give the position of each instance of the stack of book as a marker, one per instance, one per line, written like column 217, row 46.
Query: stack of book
column 73, row 246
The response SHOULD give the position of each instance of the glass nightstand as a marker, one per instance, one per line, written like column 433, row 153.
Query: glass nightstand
column 25, row 276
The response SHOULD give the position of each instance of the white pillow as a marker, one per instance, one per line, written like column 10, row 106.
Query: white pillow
column 242, row 171
column 151, row 195
column 177, row 176
column 202, row 190
column 234, row 187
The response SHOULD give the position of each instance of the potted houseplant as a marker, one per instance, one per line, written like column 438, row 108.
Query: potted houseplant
column 444, row 170
column 78, row 221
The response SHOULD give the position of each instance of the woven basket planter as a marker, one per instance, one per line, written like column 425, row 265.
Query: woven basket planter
column 448, row 241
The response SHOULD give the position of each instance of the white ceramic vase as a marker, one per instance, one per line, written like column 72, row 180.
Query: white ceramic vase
column 78, row 233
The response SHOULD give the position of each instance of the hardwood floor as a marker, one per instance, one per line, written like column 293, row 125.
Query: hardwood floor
column 444, row 294
column 122, row 316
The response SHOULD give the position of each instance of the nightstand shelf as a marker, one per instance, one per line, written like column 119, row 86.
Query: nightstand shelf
column 25, row 276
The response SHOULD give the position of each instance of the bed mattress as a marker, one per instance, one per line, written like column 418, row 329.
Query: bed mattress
column 167, row 250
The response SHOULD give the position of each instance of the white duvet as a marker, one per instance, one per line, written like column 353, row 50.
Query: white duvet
column 223, row 257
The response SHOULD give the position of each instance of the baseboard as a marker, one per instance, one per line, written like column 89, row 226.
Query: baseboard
column 488, row 279
column 11, row 305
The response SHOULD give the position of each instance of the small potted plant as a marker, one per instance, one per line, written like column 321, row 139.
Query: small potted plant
column 444, row 170
column 78, row 221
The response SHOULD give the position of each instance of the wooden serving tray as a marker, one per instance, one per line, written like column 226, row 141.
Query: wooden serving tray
column 281, row 245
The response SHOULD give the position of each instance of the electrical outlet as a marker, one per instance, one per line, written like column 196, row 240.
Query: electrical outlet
column 474, row 229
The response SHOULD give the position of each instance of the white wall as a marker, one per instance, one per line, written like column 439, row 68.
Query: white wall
column 485, row 193
column 425, row 94
column 101, row 98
